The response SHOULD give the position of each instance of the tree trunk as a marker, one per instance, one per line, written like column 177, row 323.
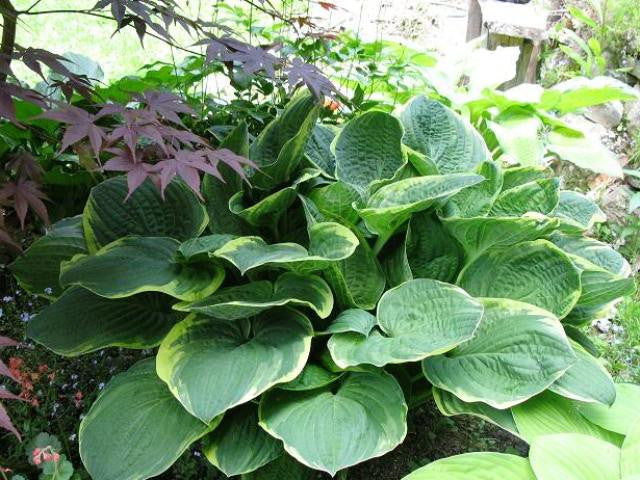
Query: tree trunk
column 9, row 17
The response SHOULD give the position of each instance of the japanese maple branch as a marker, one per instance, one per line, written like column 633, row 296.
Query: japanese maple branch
column 10, row 19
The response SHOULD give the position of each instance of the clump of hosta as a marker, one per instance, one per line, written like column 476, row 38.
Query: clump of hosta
column 298, row 317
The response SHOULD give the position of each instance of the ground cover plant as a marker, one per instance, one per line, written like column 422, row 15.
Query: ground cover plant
column 355, row 269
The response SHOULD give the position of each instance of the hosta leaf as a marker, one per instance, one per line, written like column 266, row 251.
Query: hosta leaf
column 450, row 405
column 586, row 380
column 313, row 376
column 282, row 468
column 417, row 319
column 136, row 405
column 38, row 269
column 319, row 148
column 368, row 148
column 202, row 247
column 352, row 320
column 443, row 136
column 108, row 217
column 516, row 176
column 363, row 418
column 248, row 358
column 141, row 264
column 535, row 272
column 239, row 445
column 594, row 251
column 620, row 416
column 82, row 322
column 478, row 234
column 630, row 453
column 579, row 336
column 539, row 196
column 582, row 316
column 335, row 201
column 395, row 262
column 245, row 301
column 390, row 206
column 518, row 136
column 572, row 456
column 584, row 152
column 576, row 212
column 600, row 286
column 583, row 92
column 476, row 466
column 328, row 242
column 478, row 199
column 517, row 352
column 267, row 211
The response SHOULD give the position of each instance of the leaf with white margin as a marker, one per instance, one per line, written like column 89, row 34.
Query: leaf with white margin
column 328, row 242
column 599, row 286
column 517, row 352
column 586, row 380
column 476, row 466
column 368, row 148
column 576, row 212
column 318, row 148
column 213, row 365
column 477, row 200
column 584, row 152
column 549, row 413
column 108, row 217
column 481, row 233
column 392, row 205
column 630, row 453
column 582, row 316
column 203, row 246
column 620, row 416
column 596, row 252
column 336, row 202
column 539, row 196
column 136, row 405
column 519, row 137
column 80, row 322
column 312, row 377
column 352, row 320
column 515, row 176
column 450, row 405
column 583, row 92
column 266, row 212
column 572, row 456
column 141, row 264
column 245, row 301
column 534, row 272
column 363, row 418
column 238, row 445
column 417, row 319
column 443, row 136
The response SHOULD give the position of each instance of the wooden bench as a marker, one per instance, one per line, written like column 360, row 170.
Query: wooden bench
column 510, row 24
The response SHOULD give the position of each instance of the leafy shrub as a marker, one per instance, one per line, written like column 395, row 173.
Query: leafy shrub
column 290, row 314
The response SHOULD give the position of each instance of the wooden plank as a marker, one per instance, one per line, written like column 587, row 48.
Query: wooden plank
column 474, row 20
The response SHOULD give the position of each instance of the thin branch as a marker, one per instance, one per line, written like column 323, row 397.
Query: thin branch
column 34, row 5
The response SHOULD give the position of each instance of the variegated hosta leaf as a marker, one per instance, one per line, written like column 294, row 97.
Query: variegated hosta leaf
column 82, row 322
column 515, row 176
column 328, row 242
column 620, row 416
column 478, row 199
column 630, row 453
column 313, row 376
column 535, row 272
column 540, row 196
column 599, row 286
column 38, row 269
column 476, row 466
column 450, row 405
column 282, row 468
column 266, row 212
column 335, row 201
column 478, row 234
column 572, row 456
column 582, row 316
column 352, row 320
column 318, row 148
column 576, row 212
column 443, row 136
column 584, row 152
column 136, row 406
column 202, row 247
column 519, row 138
column 141, row 264
column 392, row 205
column 362, row 418
column 594, row 251
column 417, row 319
column 244, row 301
column 548, row 413
column 108, row 217
column 586, row 380
column 213, row 365
column 517, row 352
column 367, row 149
column 238, row 445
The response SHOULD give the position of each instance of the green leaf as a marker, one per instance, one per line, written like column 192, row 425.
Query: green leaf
column 141, row 264
column 478, row 199
column 572, row 456
column 239, row 445
column 539, row 196
column 620, row 416
column 516, row 176
column 443, row 136
column 136, row 405
column 576, row 212
column 592, row 250
column 368, row 148
column 583, row 92
column 584, row 152
column 517, row 352
column 630, row 453
column 417, row 319
column 599, row 286
column 392, row 205
column 267, row 211
column 283, row 468
column 476, row 466
column 363, row 418
column 535, row 272
column 81, row 322
column 335, row 201
column 202, row 247
column 38, row 269
column 312, row 377
column 248, row 357
column 109, row 215
column 519, row 137
column 328, row 242
column 352, row 320
column 244, row 301
column 318, row 149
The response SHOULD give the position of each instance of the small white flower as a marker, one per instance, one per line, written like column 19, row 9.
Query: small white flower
column 100, row 385
column 48, row 291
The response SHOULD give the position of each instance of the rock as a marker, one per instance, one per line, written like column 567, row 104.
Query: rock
column 609, row 114
column 632, row 113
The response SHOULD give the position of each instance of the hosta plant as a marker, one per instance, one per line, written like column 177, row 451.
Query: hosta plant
column 299, row 315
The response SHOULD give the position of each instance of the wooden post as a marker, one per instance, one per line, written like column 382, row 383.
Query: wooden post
column 474, row 20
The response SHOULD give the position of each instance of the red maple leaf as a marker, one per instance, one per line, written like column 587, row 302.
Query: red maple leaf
column 81, row 125
column 309, row 75
column 25, row 194
column 124, row 160
column 165, row 104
